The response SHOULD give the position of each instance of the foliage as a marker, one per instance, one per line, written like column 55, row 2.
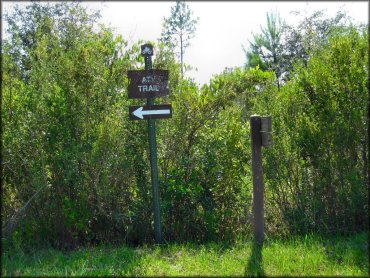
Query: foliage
column 62, row 126
column 280, row 45
column 266, row 48
column 76, row 170
column 320, row 119
column 311, row 33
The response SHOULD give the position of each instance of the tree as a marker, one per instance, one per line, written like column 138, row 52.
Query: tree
column 61, row 117
column 179, row 28
column 266, row 48
column 23, row 25
column 311, row 33
column 280, row 45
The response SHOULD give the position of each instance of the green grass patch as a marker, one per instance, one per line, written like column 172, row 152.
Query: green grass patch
column 299, row 256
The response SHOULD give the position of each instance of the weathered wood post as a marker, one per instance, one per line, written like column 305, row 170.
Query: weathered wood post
column 261, row 136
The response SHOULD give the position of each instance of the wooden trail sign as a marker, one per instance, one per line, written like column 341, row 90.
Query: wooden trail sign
column 147, row 83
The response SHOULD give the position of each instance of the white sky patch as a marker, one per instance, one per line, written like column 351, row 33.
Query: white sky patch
column 222, row 30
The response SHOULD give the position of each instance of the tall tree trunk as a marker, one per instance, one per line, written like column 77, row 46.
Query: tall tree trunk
column 181, row 56
column 276, row 69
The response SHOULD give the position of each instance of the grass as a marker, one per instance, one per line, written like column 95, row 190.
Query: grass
column 300, row 256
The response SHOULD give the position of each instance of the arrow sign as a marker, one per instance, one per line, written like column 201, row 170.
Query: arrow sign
column 146, row 112
column 140, row 113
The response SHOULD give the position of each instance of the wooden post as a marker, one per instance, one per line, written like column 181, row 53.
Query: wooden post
column 258, row 210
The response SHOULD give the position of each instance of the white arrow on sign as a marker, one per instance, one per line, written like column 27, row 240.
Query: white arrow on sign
column 140, row 113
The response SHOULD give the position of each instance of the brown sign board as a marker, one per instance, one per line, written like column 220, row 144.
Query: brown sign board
column 147, row 83
column 145, row 112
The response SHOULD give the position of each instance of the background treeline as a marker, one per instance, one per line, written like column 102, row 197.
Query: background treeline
column 75, row 170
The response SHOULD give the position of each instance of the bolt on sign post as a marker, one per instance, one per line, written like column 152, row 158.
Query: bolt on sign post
column 261, row 136
column 148, row 84
column 266, row 131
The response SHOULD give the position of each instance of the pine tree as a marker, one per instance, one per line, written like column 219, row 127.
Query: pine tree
column 266, row 48
column 179, row 28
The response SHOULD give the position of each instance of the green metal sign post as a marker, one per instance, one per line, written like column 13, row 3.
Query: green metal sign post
column 148, row 84
column 147, row 52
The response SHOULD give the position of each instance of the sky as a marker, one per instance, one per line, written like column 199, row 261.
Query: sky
column 223, row 27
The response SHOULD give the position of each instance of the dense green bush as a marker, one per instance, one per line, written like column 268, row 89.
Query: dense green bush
column 320, row 181
column 76, row 170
